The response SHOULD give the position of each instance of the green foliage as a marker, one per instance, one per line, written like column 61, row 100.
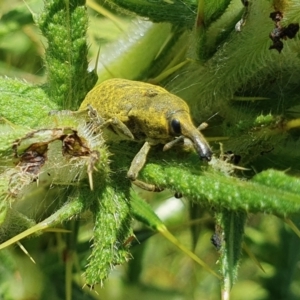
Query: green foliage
column 211, row 188
column 64, row 24
column 161, row 11
column 58, row 171
column 231, row 224
column 112, row 230
column 23, row 103
column 20, row 47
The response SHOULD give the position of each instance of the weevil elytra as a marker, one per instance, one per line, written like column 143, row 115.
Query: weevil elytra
column 145, row 113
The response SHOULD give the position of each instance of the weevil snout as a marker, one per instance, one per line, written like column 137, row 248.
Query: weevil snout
column 182, row 124
column 202, row 147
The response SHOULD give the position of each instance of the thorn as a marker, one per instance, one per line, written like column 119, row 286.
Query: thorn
column 90, row 175
column 25, row 251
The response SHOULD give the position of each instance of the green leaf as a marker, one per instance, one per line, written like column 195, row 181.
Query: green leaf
column 231, row 226
column 112, row 229
column 211, row 188
column 64, row 24
column 177, row 12
column 23, row 103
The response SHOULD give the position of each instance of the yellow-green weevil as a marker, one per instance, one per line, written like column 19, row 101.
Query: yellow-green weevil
column 145, row 113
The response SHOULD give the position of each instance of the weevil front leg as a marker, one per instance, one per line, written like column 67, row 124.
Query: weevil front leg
column 136, row 165
column 120, row 127
column 114, row 122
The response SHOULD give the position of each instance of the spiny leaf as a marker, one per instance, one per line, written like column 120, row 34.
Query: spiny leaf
column 111, row 231
column 64, row 24
column 23, row 103
column 214, row 189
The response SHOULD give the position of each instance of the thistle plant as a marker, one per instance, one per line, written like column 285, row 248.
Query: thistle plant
column 236, row 63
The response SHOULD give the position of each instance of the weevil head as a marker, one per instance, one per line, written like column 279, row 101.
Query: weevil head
column 180, row 123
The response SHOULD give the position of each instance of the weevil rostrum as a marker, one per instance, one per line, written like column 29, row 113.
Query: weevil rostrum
column 145, row 113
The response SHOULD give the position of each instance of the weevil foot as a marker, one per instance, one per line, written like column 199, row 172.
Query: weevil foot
column 147, row 186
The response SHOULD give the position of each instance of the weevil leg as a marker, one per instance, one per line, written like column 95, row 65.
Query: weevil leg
column 181, row 138
column 116, row 123
column 119, row 126
column 172, row 143
column 136, row 165
column 138, row 162
column 147, row 186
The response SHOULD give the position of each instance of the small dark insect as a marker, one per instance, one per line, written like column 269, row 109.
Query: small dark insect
column 276, row 16
column 277, row 44
column 291, row 30
column 276, row 34
column 216, row 240
column 280, row 33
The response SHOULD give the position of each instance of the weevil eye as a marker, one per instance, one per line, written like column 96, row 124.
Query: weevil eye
column 176, row 127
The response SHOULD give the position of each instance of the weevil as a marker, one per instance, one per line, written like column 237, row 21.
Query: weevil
column 145, row 113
